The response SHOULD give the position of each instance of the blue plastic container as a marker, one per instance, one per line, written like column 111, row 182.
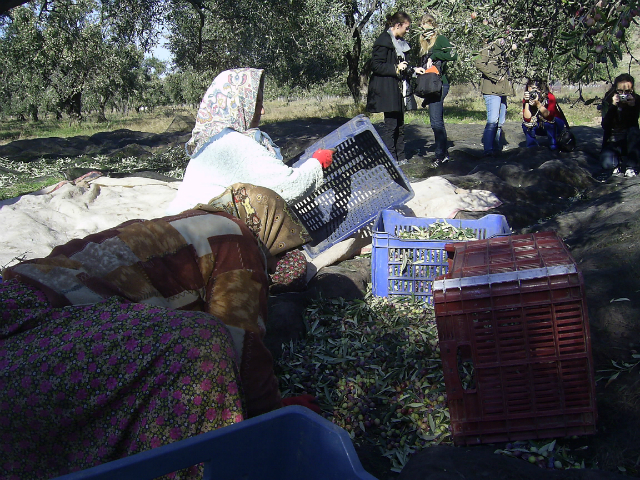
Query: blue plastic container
column 363, row 179
column 409, row 267
column 290, row 443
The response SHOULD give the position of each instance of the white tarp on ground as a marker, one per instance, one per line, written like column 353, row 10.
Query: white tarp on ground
column 31, row 225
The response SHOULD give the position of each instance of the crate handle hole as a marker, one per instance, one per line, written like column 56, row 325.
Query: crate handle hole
column 466, row 369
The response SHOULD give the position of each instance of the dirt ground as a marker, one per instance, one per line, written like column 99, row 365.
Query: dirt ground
column 540, row 190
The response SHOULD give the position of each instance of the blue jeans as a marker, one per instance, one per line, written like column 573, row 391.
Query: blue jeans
column 625, row 153
column 549, row 129
column 496, row 116
column 436, row 118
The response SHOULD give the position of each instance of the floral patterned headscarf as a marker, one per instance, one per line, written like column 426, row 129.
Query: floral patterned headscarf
column 230, row 102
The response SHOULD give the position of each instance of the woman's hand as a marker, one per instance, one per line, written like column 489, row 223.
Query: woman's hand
column 419, row 70
column 616, row 99
column 631, row 100
column 324, row 156
column 533, row 102
column 402, row 66
column 529, row 102
column 429, row 63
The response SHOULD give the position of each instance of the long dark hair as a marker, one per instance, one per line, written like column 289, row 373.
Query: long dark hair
column 397, row 18
column 624, row 77
column 541, row 85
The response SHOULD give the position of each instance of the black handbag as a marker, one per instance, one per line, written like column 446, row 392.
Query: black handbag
column 566, row 139
column 429, row 86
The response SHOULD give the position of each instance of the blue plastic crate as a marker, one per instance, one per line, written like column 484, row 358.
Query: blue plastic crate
column 290, row 443
column 363, row 179
column 409, row 267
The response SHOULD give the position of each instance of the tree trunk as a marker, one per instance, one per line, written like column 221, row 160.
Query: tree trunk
column 353, row 55
column 355, row 79
column 101, row 108
column 102, row 118
column 33, row 112
column 75, row 105
column 353, row 61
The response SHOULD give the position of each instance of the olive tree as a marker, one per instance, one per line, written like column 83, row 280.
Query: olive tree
column 55, row 57
column 297, row 42
column 557, row 39
column 24, row 66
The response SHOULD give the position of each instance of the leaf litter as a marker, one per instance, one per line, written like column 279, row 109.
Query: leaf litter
column 384, row 384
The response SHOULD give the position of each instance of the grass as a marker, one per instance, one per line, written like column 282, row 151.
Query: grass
column 463, row 105
column 23, row 187
column 280, row 110
column 156, row 121
column 19, row 178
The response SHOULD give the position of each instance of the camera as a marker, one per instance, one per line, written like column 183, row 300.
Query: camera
column 623, row 97
column 407, row 72
column 534, row 95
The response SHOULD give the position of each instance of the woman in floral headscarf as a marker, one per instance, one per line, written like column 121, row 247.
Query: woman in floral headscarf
column 226, row 146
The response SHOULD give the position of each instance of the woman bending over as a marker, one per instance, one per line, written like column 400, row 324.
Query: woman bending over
column 227, row 147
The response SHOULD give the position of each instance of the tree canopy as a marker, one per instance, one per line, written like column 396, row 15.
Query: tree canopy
column 64, row 56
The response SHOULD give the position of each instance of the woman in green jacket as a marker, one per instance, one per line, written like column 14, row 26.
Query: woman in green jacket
column 496, row 87
column 436, row 49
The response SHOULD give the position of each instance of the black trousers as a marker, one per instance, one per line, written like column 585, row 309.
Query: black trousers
column 393, row 134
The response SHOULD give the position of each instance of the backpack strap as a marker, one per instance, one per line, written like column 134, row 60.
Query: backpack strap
column 564, row 117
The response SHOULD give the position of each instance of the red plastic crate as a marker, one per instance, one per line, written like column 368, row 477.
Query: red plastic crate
column 515, row 341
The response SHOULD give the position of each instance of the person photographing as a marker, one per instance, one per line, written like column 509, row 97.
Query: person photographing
column 621, row 139
column 541, row 115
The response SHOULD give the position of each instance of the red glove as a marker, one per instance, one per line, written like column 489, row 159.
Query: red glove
column 307, row 400
column 324, row 156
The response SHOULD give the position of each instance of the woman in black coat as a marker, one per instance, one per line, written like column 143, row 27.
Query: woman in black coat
column 389, row 89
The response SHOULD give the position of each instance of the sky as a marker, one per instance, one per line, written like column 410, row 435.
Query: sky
column 161, row 53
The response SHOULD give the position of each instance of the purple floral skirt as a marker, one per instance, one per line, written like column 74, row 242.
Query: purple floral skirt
column 84, row 385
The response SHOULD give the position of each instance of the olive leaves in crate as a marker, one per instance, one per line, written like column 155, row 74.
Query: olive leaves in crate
column 440, row 230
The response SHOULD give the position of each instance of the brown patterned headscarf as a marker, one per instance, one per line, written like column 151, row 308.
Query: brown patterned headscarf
column 265, row 213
